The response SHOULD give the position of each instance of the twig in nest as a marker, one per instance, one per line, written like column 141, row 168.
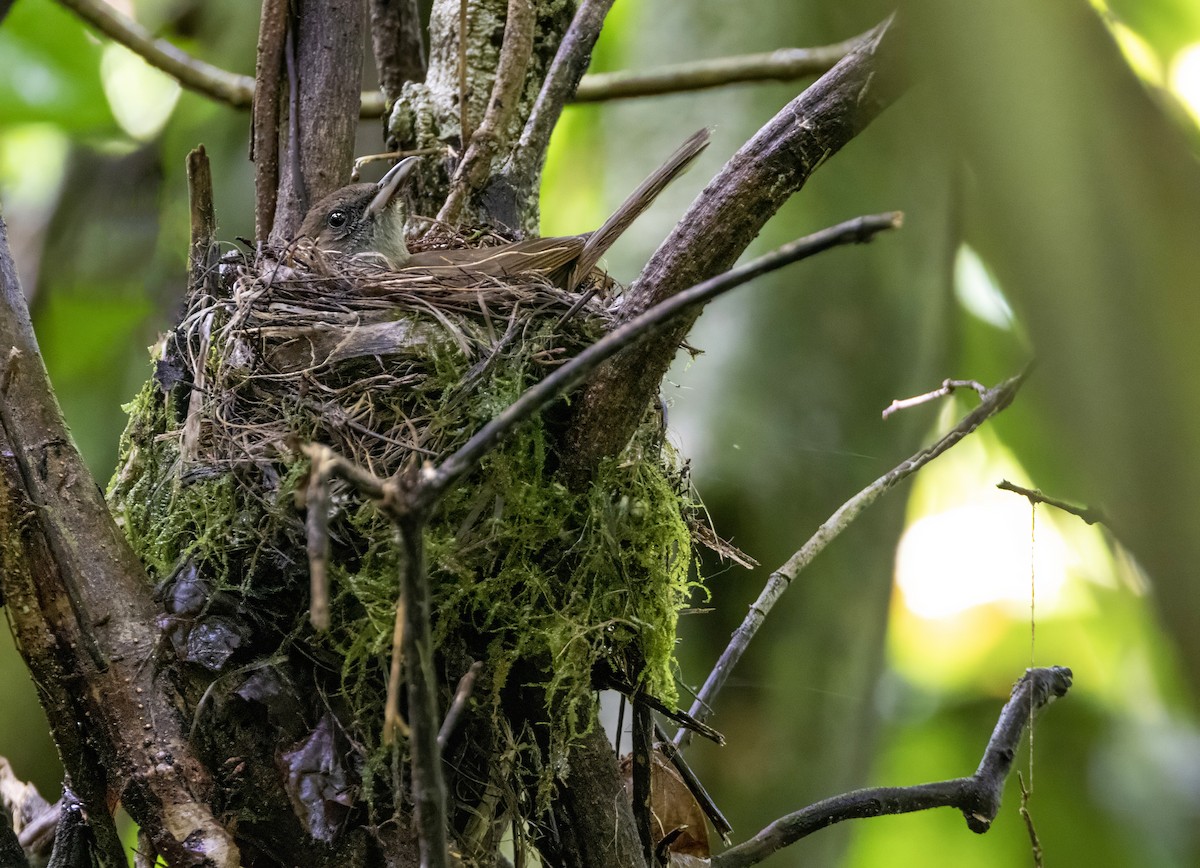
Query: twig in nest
column 1034, row 495
column 995, row 400
column 393, row 722
column 978, row 797
column 318, row 501
column 948, row 387
column 462, row 695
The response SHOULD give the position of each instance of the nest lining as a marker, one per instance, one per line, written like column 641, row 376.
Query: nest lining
column 390, row 369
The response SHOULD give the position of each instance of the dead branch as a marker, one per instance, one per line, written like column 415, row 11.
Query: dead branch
column 1089, row 514
column 649, row 324
column 784, row 64
column 995, row 400
column 720, row 225
column 978, row 797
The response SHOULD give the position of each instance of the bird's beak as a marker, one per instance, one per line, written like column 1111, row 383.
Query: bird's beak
column 389, row 184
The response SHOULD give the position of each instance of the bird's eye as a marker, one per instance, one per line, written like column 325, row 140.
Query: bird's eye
column 337, row 219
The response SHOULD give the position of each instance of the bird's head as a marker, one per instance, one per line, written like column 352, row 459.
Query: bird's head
column 363, row 218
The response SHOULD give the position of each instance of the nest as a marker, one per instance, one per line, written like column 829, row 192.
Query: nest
column 392, row 369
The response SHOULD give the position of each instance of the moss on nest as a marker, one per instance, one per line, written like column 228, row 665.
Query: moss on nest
column 390, row 369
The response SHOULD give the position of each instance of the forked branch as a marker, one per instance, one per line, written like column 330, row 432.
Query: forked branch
column 977, row 796
column 994, row 400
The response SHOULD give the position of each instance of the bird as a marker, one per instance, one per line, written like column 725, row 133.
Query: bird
column 367, row 219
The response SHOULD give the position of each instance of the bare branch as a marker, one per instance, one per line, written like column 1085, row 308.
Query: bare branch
column 1034, row 495
column 476, row 164
column 409, row 61
column 560, row 87
column 204, row 78
column 643, row 747
column 719, row 226
column 329, row 58
column 784, row 64
column 978, row 797
column 947, row 388
column 567, row 376
column 699, row 793
column 994, row 401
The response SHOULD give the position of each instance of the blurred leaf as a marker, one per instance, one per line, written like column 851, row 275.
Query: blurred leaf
column 1167, row 25
column 51, row 70
column 1085, row 200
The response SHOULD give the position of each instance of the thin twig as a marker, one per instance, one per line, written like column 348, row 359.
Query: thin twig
column 1034, row 495
column 462, row 695
column 194, row 74
column 317, row 501
column 566, row 377
column 560, row 86
column 785, row 64
column 428, row 784
column 237, row 90
column 393, row 722
column 978, row 797
column 642, row 750
column 948, row 387
column 1034, row 842
column 995, row 400
column 476, row 163
column 202, row 244
column 699, row 793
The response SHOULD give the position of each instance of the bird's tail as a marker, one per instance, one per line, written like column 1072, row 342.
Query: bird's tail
column 638, row 201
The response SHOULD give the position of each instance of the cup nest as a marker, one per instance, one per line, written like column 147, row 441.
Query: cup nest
column 392, row 369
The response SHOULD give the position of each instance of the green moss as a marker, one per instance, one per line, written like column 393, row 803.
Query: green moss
column 526, row 574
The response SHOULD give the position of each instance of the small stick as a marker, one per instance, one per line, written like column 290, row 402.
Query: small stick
column 978, row 797
column 995, row 400
column 264, row 123
column 947, row 388
column 1034, row 842
column 462, row 694
column 393, row 721
column 643, row 746
column 1091, row 515
column 317, row 502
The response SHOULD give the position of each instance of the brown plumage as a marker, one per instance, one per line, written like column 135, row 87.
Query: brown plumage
column 367, row 219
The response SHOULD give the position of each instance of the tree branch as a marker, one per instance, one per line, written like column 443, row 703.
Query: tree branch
column 194, row 74
column 648, row 324
column 978, row 797
column 720, row 225
column 80, row 604
column 1089, row 514
column 264, row 119
column 329, row 57
column 995, row 400
column 784, row 64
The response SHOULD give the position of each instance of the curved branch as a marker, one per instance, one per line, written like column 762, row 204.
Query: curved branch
column 784, row 64
column 720, row 225
column 646, row 326
column 995, row 400
column 194, row 74
column 978, row 796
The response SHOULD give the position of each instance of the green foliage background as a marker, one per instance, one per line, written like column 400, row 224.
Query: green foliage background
column 1030, row 138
